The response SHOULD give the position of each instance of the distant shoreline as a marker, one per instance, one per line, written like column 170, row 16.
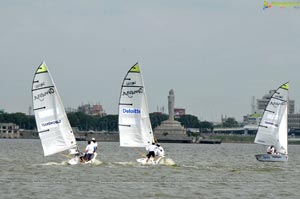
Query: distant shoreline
column 114, row 137
column 247, row 139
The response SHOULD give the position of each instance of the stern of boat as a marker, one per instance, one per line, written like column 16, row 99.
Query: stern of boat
column 272, row 157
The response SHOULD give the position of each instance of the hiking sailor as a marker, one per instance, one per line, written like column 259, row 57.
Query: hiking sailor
column 160, row 150
column 95, row 144
column 270, row 150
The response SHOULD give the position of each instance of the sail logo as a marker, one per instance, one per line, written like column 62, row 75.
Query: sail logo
column 278, row 96
column 271, row 123
column 131, row 111
column 51, row 123
column 266, row 5
column 276, row 104
column 281, row 4
column 41, row 96
column 40, row 85
column 131, row 83
column 131, row 93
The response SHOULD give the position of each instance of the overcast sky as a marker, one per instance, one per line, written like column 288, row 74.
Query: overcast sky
column 215, row 54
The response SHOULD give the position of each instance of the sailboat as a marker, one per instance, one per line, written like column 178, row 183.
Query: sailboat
column 52, row 123
column 272, row 129
column 135, row 128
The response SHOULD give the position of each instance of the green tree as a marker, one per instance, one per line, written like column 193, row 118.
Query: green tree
column 157, row 118
column 206, row 126
column 230, row 122
column 189, row 121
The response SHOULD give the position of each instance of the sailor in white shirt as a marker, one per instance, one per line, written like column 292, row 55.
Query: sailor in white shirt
column 89, row 151
column 95, row 144
column 270, row 150
column 160, row 150
column 151, row 151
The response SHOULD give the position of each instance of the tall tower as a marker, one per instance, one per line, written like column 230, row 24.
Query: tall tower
column 171, row 102
column 253, row 108
column 171, row 130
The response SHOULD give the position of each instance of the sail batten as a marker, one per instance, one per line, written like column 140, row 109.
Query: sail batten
column 272, row 129
column 134, row 122
column 52, row 123
column 42, row 88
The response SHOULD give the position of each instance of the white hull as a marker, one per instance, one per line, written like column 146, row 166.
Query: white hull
column 76, row 160
column 272, row 157
column 151, row 161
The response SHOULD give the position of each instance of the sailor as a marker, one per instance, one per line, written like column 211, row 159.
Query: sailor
column 95, row 144
column 89, row 151
column 148, row 144
column 151, row 151
column 160, row 150
column 270, row 150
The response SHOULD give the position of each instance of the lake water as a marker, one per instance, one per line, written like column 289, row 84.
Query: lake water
column 202, row 171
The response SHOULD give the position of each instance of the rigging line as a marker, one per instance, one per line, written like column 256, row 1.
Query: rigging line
column 138, row 151
column 42, row 88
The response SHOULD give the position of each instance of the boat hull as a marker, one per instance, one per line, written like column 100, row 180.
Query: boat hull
column 272, row 157
column 151, row 161
column 76, row 160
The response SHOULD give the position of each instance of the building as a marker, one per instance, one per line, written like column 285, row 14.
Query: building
column 252, row 118
column 9, row 130
column 294, row 124
column 95, row 110
column 70, row 110
column 262, row 103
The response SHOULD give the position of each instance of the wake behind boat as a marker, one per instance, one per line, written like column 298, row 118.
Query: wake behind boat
column 135, row 128
column 272, row 129
column 52, row 123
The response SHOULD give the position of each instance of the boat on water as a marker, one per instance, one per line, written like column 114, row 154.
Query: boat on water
column 135, row 128
column 273, row 129
column 52, row 123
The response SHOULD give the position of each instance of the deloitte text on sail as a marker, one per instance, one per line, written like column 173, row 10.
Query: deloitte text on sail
column 132, row 111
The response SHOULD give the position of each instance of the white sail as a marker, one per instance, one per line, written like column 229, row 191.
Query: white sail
column 52, row 123
column 134, row 122
column 273, row 125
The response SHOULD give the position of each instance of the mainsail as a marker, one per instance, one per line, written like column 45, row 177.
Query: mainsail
column 52, row 123
column 272, row 129
column 134, row 122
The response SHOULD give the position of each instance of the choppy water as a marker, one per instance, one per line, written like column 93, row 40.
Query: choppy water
column 202, row 171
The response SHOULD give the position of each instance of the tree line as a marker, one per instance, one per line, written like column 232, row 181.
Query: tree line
column 110, row 122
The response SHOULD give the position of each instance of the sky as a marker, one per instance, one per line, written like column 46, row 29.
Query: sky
column 215, row 54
